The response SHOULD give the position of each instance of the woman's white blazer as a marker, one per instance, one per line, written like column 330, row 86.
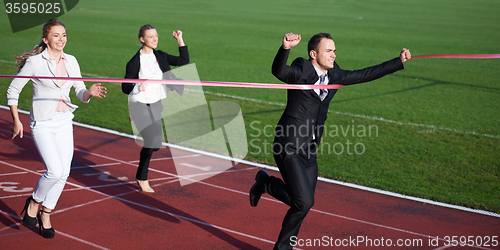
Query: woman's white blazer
column 46, row 93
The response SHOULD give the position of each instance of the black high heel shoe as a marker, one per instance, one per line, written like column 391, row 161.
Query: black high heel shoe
column 28, row 221
column 48, row 233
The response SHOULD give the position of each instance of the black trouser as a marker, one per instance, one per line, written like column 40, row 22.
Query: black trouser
column 145, row 157
column 300, row 173
column 147, row 118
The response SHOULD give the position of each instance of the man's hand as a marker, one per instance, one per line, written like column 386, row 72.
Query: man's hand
column 405, row 55
column 290, row 40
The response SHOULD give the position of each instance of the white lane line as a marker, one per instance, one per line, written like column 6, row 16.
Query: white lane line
column 207, row 168
column 276, row 169
column 107, row 197
column 96, row 165
column 80, row 240
column 276, row 201
column 15, row 173
column 219, row 187
column 29, row 231
column 269, row 199
column 259, row 165
column 374, row 190
column 443, row 247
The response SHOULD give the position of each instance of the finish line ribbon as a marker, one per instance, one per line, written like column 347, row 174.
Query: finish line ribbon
column 243, row 84
column 181, row 82
column 460, row 56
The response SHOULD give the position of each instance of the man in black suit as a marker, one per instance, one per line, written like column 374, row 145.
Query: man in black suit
column 300, row 128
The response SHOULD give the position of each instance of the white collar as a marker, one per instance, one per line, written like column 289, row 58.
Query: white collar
column 319, row 72
column 46, row 55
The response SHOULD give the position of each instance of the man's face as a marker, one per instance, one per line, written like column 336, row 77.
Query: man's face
column 324, row 56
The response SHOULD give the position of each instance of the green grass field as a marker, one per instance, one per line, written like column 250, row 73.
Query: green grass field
column 437, row 122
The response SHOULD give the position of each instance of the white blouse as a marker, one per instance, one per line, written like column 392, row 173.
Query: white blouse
column 150, row 69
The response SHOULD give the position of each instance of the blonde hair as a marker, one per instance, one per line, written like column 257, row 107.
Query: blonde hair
column 21, row 59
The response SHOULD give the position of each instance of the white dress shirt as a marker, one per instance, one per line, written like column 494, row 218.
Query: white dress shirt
column 320, row 73
column 150, row 69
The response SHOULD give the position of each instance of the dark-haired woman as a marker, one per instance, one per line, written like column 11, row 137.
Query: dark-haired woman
column 145, row 100
column 50, row 117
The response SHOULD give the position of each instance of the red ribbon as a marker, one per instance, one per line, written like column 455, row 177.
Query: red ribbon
column 243, row 84
column 461, row 56
column 181, row 82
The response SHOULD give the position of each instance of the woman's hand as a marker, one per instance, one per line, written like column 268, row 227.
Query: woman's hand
column 18, row 126
column 97, row 90
column 178, row 36
column 17, row 130
column 143, row 87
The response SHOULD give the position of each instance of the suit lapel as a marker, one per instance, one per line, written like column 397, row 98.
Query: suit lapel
column 69, row 68
column 310, row 77
column 51, row 65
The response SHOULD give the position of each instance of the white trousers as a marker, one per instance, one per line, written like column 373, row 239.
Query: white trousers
column 54, row 140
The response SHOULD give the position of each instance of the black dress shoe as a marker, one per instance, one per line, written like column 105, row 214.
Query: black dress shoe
column 258, row 188
column 47, row 233
column 28, row 221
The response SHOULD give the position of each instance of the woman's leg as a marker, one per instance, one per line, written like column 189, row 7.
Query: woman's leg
column 147, row 119
column 54, row 141
column 145, row 158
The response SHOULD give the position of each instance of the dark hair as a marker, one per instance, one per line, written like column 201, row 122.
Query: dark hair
column 143, row 29
column 21, row 59
column 314, row 41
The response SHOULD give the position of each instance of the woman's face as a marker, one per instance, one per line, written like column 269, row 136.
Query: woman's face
column 150, row 39
column 56, row 38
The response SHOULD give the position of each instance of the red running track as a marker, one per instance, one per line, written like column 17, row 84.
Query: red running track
column 101, row 207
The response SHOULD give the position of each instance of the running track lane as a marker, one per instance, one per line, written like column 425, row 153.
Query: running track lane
column 101, row 208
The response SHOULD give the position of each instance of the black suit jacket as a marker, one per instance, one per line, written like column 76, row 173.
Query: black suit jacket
column 305, row 113
column 164, row 60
